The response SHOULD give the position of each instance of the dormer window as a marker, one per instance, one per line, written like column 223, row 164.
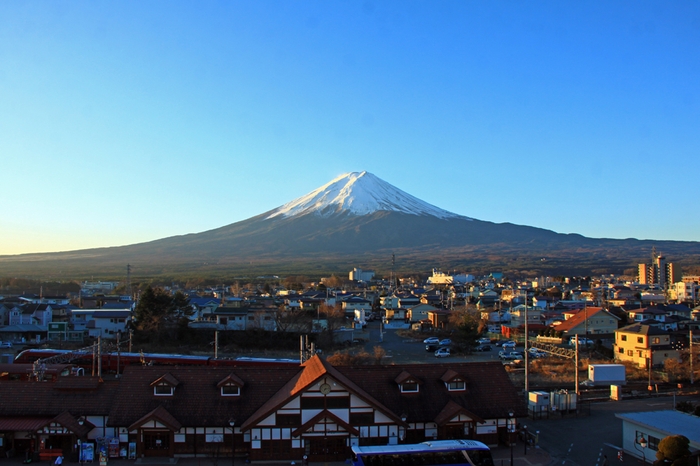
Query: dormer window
column 409, row 386
column 407, row 383
column 230, row 389
column 165, row 385
column 456, row 385
column 230, row 386
column 163, row 389
column 454, row 381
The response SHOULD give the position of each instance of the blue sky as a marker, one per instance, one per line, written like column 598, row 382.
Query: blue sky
column 123, row 122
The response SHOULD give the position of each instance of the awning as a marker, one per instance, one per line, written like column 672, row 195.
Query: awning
column 23, row 423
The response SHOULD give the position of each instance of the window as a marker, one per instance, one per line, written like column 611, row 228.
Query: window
column 338, row 402
column 288, row 419
column 623, row 337
column 640, row 339
column 455, row 385
column 653, row 443
column 230, row 389
column 630, row 353
column 656, row 340
column 325, row 402
column 312, row 402
column 163, row 389
column 361, row 419
column 621, row 350
column 409, row 387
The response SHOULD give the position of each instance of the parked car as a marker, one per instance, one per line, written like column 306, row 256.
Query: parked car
column 442, row 353
column 581, row 341
column 5, row 344
column 431, row 348
column 445, row 342
column 508, row 344
column 483, row 348
column 510, row 355
column 536, row 353
column 484, row 341
column 432, row 341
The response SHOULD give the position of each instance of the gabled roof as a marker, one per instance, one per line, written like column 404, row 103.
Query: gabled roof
column 160, row 414
column 451, row 410
column 405, row 376
column 167, row 378
column 231, row 378
column 313, row 370
column 325, row 414
column 451, row 375
column 67, row 420
column 581, row 316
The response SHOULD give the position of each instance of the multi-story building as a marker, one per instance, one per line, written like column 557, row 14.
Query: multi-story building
column 643, row 345
column 659, row 272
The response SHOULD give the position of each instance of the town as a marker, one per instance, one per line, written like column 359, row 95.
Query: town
column 331, row 384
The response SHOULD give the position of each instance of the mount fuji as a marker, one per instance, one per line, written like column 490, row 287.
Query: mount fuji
column 357, row 219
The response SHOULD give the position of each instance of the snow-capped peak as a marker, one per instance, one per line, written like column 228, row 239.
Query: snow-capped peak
column 358, row 194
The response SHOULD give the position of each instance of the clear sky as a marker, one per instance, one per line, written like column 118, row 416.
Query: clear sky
column 128, row 121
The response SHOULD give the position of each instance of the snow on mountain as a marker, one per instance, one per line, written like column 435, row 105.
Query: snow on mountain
column 358, row 194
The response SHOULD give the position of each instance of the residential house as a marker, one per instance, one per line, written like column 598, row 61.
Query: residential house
column 28, row 314
column 643, row 344
column 518, row 313
column 263, row 413
column 419, row 312
column 439, row 318
column 355, row 303
column 103, row 323
column 588, row 321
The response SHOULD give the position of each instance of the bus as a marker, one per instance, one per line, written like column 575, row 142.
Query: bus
column 437, row 452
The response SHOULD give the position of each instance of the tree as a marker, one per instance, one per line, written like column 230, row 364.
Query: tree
column 674, row 451
column 379, row 354
column 158, row 312
column 466, row 323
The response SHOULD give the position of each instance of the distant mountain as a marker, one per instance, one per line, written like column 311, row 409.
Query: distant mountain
column 356, row 220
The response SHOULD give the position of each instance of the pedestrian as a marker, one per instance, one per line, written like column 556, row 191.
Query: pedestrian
column 59, row 460
column 619, row 455
column 605, row 460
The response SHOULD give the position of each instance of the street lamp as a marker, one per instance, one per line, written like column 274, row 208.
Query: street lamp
column 510, row 436
column 81, row 421
column 232, row 423
column 642, row 443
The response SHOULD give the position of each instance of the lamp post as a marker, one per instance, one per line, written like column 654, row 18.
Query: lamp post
column 510, row 437
column 402, row 429
column 81, row 421
column 232, row 423
column 642, row 443
column 525, row 438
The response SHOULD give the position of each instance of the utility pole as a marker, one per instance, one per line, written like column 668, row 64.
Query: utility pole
column 576, row 366
column 527, row 359
column 691, row 357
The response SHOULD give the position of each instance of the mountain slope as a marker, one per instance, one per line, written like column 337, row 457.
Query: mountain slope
column 356, row 219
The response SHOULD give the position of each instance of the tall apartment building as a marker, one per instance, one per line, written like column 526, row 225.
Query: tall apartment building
column 659, row 272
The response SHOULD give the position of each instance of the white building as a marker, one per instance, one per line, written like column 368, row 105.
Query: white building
column 654, row 426
column 360, row 275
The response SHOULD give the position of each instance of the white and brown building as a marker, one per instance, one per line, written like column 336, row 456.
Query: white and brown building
column 263, row 413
